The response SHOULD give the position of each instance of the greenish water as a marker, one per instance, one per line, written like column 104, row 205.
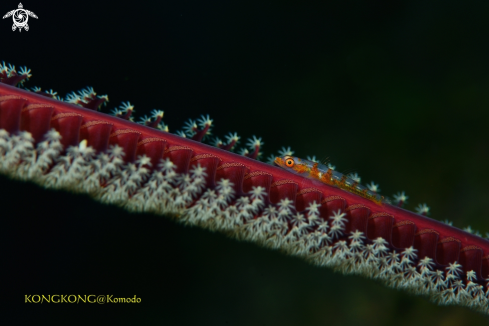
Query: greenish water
column 397, row 92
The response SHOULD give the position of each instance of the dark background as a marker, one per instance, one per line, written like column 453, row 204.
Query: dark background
column 397, row 91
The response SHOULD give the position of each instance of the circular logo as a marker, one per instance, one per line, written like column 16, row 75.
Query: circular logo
column 20, row 18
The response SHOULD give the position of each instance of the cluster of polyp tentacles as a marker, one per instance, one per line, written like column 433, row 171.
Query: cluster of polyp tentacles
column 62, row 146
column 198, row 130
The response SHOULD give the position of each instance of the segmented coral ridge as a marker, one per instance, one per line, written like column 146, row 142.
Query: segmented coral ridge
column 144, row 169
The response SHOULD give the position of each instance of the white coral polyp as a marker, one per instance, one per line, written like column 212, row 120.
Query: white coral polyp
column 320, row 240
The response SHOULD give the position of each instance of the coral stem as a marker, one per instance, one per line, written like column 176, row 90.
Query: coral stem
column 142, row 168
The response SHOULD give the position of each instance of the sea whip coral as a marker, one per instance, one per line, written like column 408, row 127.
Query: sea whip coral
column 65, row 146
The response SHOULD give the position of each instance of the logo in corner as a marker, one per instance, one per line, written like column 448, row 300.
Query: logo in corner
column 20, row 17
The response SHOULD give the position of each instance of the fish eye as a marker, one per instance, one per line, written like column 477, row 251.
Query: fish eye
column 289, row 162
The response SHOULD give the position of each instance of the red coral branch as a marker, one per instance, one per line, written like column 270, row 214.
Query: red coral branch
column 26, row 111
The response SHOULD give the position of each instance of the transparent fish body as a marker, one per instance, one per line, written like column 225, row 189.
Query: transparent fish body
column 323, row 173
